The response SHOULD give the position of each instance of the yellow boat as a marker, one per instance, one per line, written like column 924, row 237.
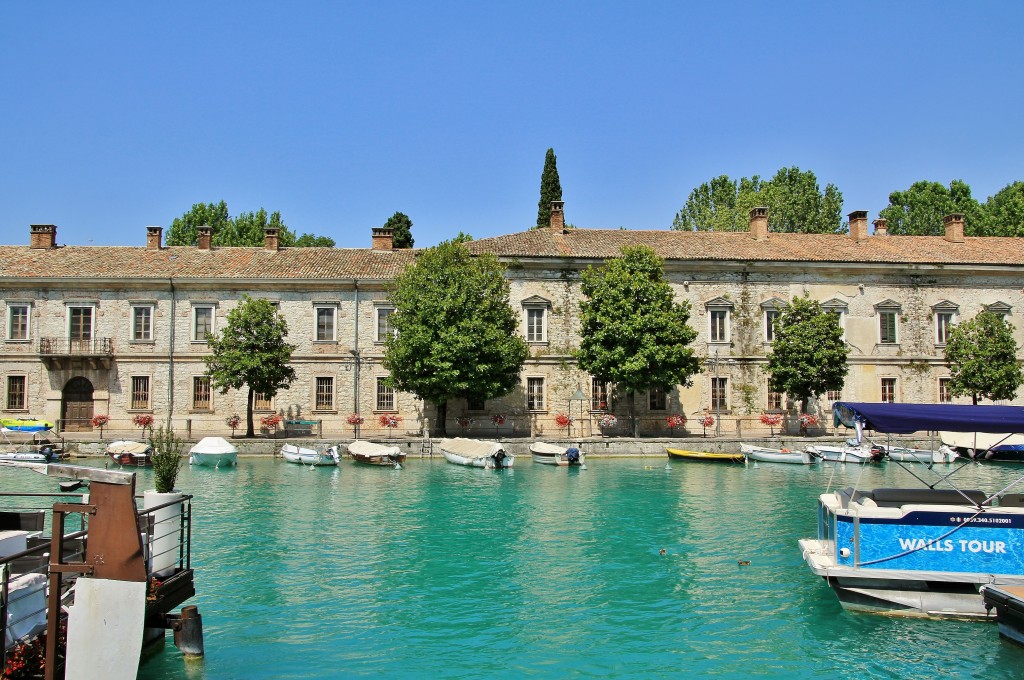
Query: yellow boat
column 681, row 454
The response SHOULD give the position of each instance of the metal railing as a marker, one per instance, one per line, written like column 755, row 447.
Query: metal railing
column 69, row 347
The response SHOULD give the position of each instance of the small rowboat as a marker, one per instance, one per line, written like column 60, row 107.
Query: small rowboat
column 552, row 454
column 213, row 452
column 311, row 457
column 370, row 453
column 127, row 452
column 766, row 455
column 850, row 453
column 682, row 454
column 476, row 453
column 903, row 454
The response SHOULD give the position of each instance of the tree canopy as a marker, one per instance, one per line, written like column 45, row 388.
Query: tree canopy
column 1005, row 211
column 251, row 350
column 550, row 189
column 456, row 334
column 401, row 227
column 634, row 333
column 808, row 355
column 794, row 199
column 982, row 359
column 246, row 229
column 920, row 209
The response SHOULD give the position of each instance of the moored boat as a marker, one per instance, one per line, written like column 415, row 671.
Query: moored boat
column 943, row 454
column 476, row 453
column 553, row 454
column 682, row 454
column 213, row 452
column 767, row 455
column 312, row 457
column 850, row 452
column 26, row 424
column 371, row 453
column 127, row 452
column 996, row 447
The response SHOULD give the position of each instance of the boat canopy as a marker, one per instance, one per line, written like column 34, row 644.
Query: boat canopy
column 213, row 445
column 908, row 418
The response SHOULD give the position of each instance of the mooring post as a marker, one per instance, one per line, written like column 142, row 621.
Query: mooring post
column 188, row 631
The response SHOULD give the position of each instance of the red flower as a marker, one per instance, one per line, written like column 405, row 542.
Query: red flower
column 562, row 420
column 355, row 419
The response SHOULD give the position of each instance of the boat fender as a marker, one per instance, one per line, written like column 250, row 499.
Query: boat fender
column 784, row 450
column 572, row 454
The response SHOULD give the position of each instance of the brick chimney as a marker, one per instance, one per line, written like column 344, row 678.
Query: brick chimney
column 42, row 236
column 558, row 216
column 858, row 225
column 954, row 227
column 153, row 237
column 383, row 238
column 205, row 234
column 881, row 226
column 270, row 238
column 759, row 224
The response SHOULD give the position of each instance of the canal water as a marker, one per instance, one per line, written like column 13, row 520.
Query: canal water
column 437, row 570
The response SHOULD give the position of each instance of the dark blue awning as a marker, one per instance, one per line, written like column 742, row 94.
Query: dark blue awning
column 907, row 418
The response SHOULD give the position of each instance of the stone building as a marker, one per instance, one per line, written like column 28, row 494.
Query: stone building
column 120, row 331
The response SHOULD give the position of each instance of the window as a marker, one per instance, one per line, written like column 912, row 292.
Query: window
column 839, row 308
column 200, row 393
column 17, row 322
column 889, row 390
column 887, row 328
column 719, row 392
column 774, row 399
column 598, row 394
column 943, row 321
column 16, row 393
column 142, row 323
column 324, row 400
column 535, row 394
column 536, row 324
column 834, row 395
column 80, row 328
column 770, row 316
column 385, row 395
column 325, row 326
column 140, row 393
column 999, row 309
column 945, row 396
column 202, row 322
column 476, row 404
column 262, row 402
column 384, row 327
column 719, row 325
column 657, row 399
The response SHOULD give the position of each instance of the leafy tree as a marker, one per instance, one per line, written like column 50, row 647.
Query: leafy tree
column 244, row 230
column 251, row 350
column 635, row 334
column 462, row 237
column 402, row 230
column 550, row 189
column 1005, row 211
column 793, row 197
column 982, row 359
column 919, row 210
column 456, row 333
column 808, row 355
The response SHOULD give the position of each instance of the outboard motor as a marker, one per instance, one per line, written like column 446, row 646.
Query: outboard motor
column 572, row 454
column 499, row 460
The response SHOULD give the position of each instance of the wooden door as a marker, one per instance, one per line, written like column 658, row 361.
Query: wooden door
column 76, row 406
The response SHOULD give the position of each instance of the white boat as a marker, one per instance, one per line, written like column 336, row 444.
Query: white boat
column 850, row 452
column 312, row 457
column 767, row 455
column 921, row 552
column 213, row 452
column 553, row 454
column 944, row 454
column 476, row 453
column 128, row 452
column 371, row 453
column 1005, row 447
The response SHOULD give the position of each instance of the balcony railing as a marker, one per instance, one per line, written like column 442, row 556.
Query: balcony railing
column 63, row 347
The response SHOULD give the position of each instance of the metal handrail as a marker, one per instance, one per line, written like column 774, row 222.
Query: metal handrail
column 69, row 347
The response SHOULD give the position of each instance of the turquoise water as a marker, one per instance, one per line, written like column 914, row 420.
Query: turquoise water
column 437, row 570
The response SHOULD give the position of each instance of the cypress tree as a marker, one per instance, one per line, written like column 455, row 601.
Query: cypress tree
column 402, row 230
column 550, row 189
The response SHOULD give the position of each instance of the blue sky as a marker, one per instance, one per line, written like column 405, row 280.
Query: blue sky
column 119, row 115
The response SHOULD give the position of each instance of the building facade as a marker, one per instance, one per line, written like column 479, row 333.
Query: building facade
column 120, row 331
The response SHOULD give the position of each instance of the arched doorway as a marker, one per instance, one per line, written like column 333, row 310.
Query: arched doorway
column 76, row 406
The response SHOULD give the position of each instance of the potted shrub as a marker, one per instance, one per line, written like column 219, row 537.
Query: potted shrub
column 675, row 420
column 807, row 420
column 233, row 422
column 144, row 421
column 772, row 420
column 100, row 422
column 166, row 458
column 390, row 421
column 607, row 421
column 706, row 421
column 355, row 420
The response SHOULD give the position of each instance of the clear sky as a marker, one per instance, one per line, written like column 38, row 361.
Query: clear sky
column 119, row 115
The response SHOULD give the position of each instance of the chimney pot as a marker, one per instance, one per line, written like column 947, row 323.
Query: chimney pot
column 881, row 226
column 204, row 236
column 954, row 227
column 42, row 236
column 154, row 235
column 270, row 238
column 858, row 225
column 558, row 216
column 383, row 238
column 759, row 223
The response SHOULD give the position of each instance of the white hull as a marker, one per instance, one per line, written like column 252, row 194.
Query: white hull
column 303, row 456
column 486, row 462
column 842, row 454
column 899, row 453
column 475, row 453
column 550, row 454
column 25, row 457
column 213, row 459
column 766, row 455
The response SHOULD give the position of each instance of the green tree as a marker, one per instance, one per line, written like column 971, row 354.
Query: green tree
column 919, row 211
column 550, row 189
column 982, row 359
column 721, row 204
column 246, row 229
column 402, row 230
column 251, row 350
column 456, row 334
column 808, row 355
column 182, row 231
column 1005, row 211
column 635, row 334
column 462, row 237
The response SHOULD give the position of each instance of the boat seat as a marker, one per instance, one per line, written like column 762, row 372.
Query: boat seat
column 894, row 498
column 1012, row 500
column 25, row 520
